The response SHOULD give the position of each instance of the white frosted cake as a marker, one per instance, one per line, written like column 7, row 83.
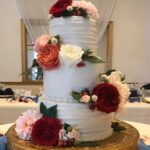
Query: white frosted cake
column 59, row 83
column 76, row 106
column 75, row 30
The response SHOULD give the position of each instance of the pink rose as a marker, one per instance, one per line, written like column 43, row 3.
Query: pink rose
column 88, row 6
column 41, row 42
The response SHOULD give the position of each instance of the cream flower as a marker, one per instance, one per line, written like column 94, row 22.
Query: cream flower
column 94, row 98
column 54, row 40
column 25, row 123
column 70, row 55
column 115, row 76
column 85, row 99
column 124, row 92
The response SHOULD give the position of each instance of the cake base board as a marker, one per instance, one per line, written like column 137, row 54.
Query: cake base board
column 119, row 140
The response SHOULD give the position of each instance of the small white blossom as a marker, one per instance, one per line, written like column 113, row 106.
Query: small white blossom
column 104, row 77
column 75, row 134
column 85, row 99
column 50, row 16
column 54, row 40
column 62, row 134
column 70, row 8
column 94, row 98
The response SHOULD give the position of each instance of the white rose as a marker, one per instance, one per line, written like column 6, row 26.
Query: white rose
column 70, row 55
column 85, row 99
column 94, row 98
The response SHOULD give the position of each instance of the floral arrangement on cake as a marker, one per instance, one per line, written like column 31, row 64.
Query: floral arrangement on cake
column 108, row 96
column 45, row 128
column 52, row 53
column 73, row 8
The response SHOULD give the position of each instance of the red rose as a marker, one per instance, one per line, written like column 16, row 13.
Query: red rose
column 46, row 131
column 108, row 97
column 59, row 7
column 48, row 57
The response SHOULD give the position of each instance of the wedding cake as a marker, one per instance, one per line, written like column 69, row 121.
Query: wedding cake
column 75, row 106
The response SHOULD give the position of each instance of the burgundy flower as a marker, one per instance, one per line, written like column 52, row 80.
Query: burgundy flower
column 59, row 7
column 48, row 58
column 108, row 97
column 46, row 131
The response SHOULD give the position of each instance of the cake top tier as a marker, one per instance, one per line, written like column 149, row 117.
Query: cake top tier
column 67, row 8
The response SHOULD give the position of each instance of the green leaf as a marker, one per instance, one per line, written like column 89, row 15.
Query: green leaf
column 93, row 59
column 117, row 127
column 76, row 95
column 67, row 126
column 87, row 144
column 109, row 72
column 43, row 109
column 58, row 38
column 52, row 111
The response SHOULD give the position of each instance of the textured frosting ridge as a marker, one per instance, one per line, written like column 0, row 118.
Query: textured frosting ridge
column 75, row 30
column 92, row 125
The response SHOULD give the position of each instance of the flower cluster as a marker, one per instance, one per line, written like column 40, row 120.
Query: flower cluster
column 45, row 128
column 108, row 96
column 116, row 78
column 52, row 53
column 68, row 135
column 74, row 8
column 85, row 97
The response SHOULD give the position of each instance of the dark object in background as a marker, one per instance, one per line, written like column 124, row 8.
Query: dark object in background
column 7, row 91
column 146, row 86
column 146, row 90
column 135, row 96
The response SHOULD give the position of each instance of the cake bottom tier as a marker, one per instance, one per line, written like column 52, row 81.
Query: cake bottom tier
column 93, row 125
column 117, row 141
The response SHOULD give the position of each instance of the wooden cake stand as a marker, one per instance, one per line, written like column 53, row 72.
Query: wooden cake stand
column 119, row 140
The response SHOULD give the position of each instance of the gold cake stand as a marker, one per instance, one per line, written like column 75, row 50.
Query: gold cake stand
column 120, row 140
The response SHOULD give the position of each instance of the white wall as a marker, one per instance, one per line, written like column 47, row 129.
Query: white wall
column 131, row 51
column 10, row 43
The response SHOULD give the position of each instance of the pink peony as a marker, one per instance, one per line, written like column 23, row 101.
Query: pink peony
column 24, row 124
column 41, row 42
column 91, row 9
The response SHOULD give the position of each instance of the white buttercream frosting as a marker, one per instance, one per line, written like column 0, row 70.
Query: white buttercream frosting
column 92, row 125
column 75, row 30
column 59, row 83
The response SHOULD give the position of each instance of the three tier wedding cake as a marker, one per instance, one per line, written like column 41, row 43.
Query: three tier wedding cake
column 76, row 106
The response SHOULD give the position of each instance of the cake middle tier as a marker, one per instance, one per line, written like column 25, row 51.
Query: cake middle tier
column 75, row 30
column 59, row 83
